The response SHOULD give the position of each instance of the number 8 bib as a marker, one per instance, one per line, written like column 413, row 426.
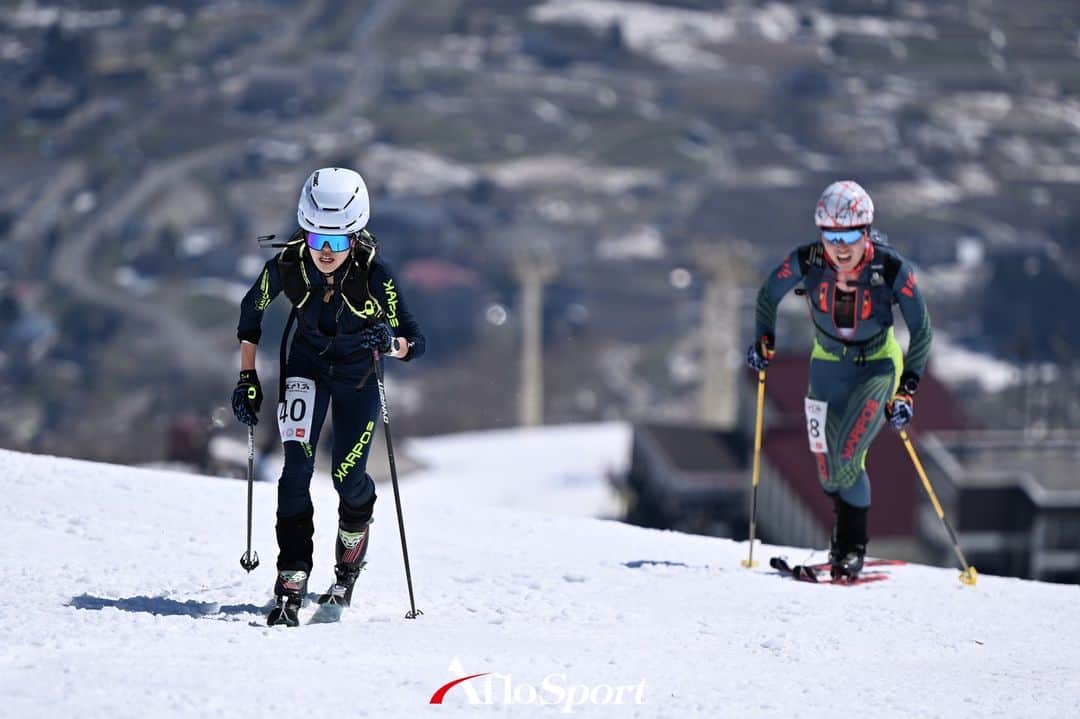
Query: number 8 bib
column 294, row 414
column 817, row 412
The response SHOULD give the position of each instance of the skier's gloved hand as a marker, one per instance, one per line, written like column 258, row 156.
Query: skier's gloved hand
column 901, row 408
column 247, row 398
column 761, row 353
column 377, row 337
column 899, row 411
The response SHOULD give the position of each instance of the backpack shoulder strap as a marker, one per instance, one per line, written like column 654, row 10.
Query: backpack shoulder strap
column 887, row 262
column 812, row 255
column 294, row 278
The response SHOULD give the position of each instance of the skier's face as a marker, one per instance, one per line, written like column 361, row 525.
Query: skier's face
column 845, row 256
column 327, row 260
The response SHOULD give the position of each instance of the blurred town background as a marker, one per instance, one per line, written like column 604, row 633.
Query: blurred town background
column 580, row 198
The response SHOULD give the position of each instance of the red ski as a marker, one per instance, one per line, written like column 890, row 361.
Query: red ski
column 820, row 573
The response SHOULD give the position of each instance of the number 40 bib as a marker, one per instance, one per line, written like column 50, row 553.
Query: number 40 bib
column 294, row 414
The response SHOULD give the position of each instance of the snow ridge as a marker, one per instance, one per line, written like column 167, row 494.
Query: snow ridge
column 124, row 598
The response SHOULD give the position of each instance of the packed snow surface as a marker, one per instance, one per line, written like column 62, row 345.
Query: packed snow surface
column 124, row 597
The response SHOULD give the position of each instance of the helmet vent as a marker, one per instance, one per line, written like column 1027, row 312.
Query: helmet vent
column 336, row 203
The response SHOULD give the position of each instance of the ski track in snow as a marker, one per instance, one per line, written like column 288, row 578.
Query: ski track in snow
column 123, row 597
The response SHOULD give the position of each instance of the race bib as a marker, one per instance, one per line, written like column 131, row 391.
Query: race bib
column 816, row 414
column 294, row 414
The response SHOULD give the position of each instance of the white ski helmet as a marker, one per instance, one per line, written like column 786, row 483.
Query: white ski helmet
column 334, row 201
column 844, row 204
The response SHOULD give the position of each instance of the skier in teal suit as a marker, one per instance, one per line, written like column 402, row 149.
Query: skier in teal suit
column 859, row 376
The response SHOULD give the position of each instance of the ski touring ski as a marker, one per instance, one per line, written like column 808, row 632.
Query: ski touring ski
column 280, row 613
column 284, row 613
column 333, row 602
column 820, row 573
column 331, row 605
column 327, row 613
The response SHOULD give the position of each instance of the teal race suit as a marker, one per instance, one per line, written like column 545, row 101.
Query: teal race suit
column 856, row 363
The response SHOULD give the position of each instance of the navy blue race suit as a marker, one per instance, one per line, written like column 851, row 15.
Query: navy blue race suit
column 329, row 348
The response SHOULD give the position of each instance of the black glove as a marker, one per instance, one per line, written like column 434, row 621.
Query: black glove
column 377, row 337
column 901, row 408
column 247, row 398
column 761, row 353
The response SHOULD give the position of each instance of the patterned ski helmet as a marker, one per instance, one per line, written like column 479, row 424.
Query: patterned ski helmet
column 844, row 204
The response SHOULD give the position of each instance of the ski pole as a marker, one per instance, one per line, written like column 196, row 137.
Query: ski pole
column 249, row 560
column 969, row 575
column 413, row 611
column 749, row 561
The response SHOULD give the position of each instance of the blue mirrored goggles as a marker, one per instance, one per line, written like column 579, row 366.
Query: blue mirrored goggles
column 338, row 243
column 843, row 237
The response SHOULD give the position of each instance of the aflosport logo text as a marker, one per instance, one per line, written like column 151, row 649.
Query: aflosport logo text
column 554, row 690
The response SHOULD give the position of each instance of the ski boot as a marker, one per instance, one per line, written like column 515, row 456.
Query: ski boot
column 340, row 592
column 850, row 536
column 846, row 561
column 349, row 550
column 290, row 590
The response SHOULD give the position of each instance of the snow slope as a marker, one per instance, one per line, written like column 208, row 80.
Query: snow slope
column 123, row 597
column 557, row 469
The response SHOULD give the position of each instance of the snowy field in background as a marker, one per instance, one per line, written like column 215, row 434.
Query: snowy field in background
column 561, row 470
column 124, row 598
